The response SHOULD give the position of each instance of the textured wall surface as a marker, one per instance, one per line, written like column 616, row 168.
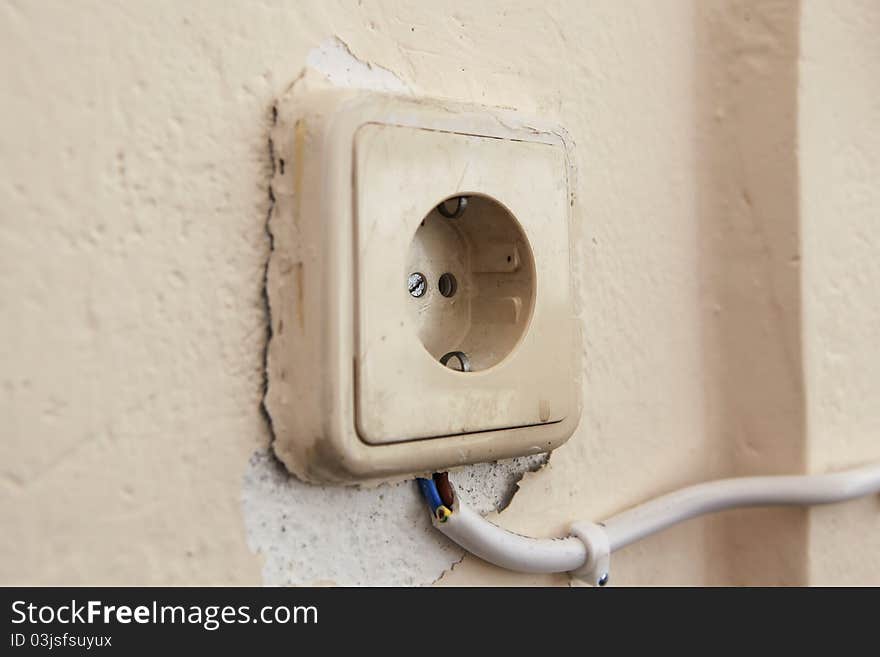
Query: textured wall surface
column 840, row 182
column 727, row 285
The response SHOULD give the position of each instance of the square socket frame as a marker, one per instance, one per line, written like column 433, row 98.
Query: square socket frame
column 320, row 345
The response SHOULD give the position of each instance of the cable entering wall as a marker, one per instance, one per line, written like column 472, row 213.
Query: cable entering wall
column 592, row 543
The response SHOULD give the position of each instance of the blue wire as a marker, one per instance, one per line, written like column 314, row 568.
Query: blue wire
column 429, row 490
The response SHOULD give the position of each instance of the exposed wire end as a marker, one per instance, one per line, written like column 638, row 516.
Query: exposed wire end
column 444, row 488
column 439, row 510
column 442, row 513
column 429, row 491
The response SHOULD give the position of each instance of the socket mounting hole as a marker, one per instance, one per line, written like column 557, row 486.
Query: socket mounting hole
column 447, row 285
column 482, row 281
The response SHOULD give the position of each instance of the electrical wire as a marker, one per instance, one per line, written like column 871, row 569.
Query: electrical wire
column 535, row 555
column 509, row 550
column 439, row 511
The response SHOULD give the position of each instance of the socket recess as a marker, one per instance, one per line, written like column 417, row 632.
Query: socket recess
column 419, row 286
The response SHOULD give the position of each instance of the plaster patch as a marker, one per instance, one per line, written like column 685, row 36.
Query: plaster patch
column 344, row 536
column 335, row 60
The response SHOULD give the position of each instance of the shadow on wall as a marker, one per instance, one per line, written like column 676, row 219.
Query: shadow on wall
column 749, row 243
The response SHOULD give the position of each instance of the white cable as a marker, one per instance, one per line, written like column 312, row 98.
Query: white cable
column 533, row 555
column 667, row 510
column 512, row 551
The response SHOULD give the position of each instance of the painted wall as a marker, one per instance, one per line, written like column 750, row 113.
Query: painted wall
column 727, row 244
column 840, row 223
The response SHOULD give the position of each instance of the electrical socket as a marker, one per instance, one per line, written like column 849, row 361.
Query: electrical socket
column 414, row 239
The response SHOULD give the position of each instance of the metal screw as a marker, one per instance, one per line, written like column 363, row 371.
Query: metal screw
column 462, row 358
column 603, row 580
column 417, row 284
column 461, row 203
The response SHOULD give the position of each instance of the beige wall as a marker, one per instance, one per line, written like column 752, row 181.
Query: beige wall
column 839, row 128
column 727, row 226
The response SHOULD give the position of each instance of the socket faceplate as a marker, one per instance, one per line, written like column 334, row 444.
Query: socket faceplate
column 512, row 319
column 356, row 390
